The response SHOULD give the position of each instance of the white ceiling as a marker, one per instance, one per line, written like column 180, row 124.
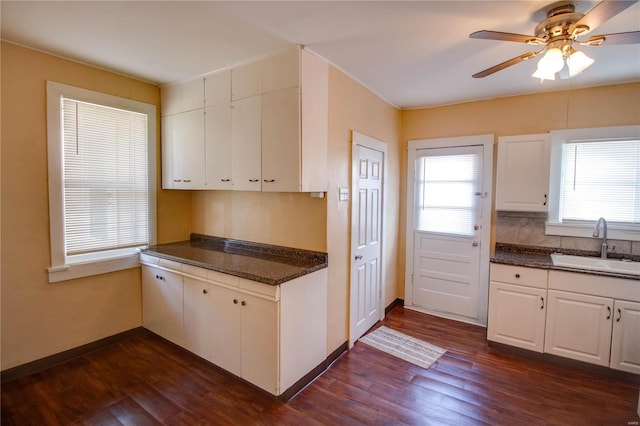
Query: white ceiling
column 412, row 54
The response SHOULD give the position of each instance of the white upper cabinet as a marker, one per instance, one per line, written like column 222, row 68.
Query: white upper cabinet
column 523, row 173
column 217, row 122
column 281, row 141
column 183, row 150
column 246, row 81
column 281, row 71
column 182, row 97
column 265, row 125
column 246, row 144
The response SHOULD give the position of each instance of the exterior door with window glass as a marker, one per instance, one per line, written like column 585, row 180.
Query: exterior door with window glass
column 446, row 238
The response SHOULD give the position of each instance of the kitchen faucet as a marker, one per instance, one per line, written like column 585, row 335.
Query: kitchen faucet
column 596, row 233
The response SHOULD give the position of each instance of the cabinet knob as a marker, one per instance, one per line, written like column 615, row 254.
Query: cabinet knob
column 235, row 301
column 204, row 291
column 243, row 303
column 269, row 180
column 517, row 275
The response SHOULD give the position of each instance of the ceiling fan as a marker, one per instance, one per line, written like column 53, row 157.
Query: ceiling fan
column 558, row 33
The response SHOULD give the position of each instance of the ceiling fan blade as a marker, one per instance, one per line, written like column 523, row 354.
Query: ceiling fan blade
column 631, row 37
column 497, row 35
column 506, row 64
column 600, row 13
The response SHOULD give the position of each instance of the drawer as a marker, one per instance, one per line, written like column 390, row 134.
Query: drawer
column 170, row 264
column 194, row 271
column 519, row 275
column 151, row 260
column 221, row 278
column 272, row 292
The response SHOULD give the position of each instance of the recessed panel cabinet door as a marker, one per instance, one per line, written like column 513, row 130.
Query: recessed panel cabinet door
column 517, row 315
column 183, row 145
column 197, row 317
column 259, row 344
column 281, row 141
column 225, row 329
column 218, row 147
column 625, row 343
column 246, row 144
column 579, row 327
column 162, row 307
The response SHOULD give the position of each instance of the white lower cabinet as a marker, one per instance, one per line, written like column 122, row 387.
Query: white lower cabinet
column 586, row 317
column 579, row 327
column 162, row 303
column 270, row 336
column 517, row 306
column 625, row 342
column 518, row 317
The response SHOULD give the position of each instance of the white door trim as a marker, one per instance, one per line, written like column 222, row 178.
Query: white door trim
column 358, row 139
column 487, row 142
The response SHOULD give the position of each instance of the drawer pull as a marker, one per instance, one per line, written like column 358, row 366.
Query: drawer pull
column 269, row 180
column 225, row 180
column 254, row 180
column 517, row 275
column 608, row 312
column 542, row 302
column 619, row 315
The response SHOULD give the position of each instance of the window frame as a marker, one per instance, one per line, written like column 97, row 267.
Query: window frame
column 554, row 226
column 63, row 267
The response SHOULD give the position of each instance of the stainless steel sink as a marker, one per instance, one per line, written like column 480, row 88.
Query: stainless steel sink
column 596, row 264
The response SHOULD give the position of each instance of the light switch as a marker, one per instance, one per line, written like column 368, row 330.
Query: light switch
column 343, row 194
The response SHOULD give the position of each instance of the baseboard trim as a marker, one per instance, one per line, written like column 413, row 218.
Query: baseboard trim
column 61, row 357
column 393, row 305
column 308, row 378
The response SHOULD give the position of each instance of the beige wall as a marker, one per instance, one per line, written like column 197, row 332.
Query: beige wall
column 38, row 318
column 353, row 107
column 285, row 219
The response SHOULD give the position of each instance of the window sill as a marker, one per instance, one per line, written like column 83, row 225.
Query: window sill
column 87, row 266
column 586, row 231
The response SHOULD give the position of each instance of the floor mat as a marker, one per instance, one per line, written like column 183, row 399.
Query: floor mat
column 403, row 346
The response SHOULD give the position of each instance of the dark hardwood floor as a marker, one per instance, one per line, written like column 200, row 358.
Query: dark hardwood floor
column 145, row 381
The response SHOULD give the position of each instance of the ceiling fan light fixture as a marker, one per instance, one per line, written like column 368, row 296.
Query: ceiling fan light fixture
column 552, row 61
column 544, row 75
column 578, row 62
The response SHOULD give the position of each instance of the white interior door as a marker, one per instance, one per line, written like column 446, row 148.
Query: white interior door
column 366, row 306
column 447, row 232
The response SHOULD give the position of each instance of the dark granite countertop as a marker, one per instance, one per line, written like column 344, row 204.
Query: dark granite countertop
column 540, row 257
column 264, row 263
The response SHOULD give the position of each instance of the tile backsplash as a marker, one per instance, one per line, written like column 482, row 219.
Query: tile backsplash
column 525, row 228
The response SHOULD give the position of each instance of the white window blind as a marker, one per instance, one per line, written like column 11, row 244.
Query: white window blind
column 105, row 177
column 600, row 179
column 446, row 193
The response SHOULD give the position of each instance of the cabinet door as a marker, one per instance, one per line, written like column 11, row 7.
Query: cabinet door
column 281, row 71
column 183, row 150
column 523, row 173
column 162, row 308
column 246, row 81
column 259, row 342
column 182, row 97
column 197, row 317
column 217, row 89
column 218, row 147
column 517, row 315
column 246, row 144
column 625, row 343
column 579, row 326
column 225, row 329
column 281, row 141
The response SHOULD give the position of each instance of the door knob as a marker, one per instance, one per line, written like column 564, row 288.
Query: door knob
column 474, row 244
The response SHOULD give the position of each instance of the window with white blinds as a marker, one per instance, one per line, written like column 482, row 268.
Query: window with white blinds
column 105, row 178
column 447, row 188
column 102, row 181
column 601, row 179
column 595, row 172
